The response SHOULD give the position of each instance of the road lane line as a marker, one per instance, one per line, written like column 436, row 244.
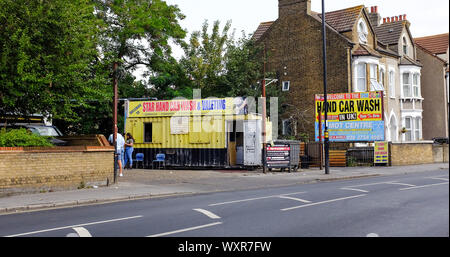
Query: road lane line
column 186, row 229
column 295, row 199
column 208, row 213
column 355, row 189
column 328, row 201
column 401, row 184
column 444, row 179
column 72, row 226
column 82, row 232
column 429, row 185
column 252, row 199
column 372, row 184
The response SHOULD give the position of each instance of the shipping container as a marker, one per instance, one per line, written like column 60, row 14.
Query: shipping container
column 207, row 133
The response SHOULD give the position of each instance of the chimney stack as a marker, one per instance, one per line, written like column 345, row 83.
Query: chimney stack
column 293, row 7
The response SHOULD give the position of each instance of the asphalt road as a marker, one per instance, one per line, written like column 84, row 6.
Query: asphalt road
column 413, row 205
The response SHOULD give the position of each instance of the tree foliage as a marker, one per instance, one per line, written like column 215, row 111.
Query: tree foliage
column 48, row 57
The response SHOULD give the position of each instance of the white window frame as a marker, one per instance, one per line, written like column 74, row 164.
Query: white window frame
column 407, row 84
column 405, row 46
column 417, row 128
column 416, row 85
column 408, row 130
column 359, row 79
column 362, row 31
column 286, row 86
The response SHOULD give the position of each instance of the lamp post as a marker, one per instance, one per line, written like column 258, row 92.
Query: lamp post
column 326, row 136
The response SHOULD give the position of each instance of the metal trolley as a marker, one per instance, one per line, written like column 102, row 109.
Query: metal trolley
column 283, row 154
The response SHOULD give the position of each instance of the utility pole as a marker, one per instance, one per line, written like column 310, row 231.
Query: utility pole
column 264, row 111
column 326, row 135
column 115, row 128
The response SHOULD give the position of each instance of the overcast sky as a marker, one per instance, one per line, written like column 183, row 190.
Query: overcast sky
column 427, row 17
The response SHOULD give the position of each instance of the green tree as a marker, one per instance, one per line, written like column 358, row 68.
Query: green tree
column 205, row 58
column 48, row 57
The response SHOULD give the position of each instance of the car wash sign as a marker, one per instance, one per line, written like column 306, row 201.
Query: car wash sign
column 352, row 117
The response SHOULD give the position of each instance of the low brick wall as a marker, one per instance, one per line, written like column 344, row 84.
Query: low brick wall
column 411, row 153
column 41, row 169
column 440, row 153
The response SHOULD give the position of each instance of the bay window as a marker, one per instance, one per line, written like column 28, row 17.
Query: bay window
column 407, row 85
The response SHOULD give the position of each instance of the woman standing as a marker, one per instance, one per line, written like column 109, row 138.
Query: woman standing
column 129, row 150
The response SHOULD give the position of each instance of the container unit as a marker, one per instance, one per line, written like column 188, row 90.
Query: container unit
column 209, row 133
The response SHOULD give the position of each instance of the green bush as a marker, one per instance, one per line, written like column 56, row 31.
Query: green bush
column 20, row 138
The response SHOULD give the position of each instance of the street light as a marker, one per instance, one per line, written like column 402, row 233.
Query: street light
column 326, row 136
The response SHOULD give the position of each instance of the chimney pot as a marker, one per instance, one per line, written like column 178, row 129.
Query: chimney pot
column 396, row 18
column 400, row 17
column 372, row 9
column 384, row 20
column 376, row 9
column 404, row 17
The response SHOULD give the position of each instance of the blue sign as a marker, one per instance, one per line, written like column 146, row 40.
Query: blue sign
column 353, row 131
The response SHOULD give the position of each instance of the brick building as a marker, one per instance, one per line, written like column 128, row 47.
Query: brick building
column 433, row 53
column 363, row 54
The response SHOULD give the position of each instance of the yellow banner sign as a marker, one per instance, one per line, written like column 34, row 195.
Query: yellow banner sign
column 351, row 107
column 219, row 106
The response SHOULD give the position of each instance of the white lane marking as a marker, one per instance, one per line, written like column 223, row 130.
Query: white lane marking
column 355, row 189
column 372, row 184
column 328, row 201
column 252, row 199
column 445, row 179
column 72, row 226
column 401, row 184
column 208, row 213
column 372, row 235
column 186, row 229
column 429, row 185
column 295, row 199
column 82, row 232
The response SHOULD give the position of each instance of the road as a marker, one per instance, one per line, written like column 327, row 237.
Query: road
column 412, row 205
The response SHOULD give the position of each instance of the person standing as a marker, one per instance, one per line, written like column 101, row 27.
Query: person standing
column 129, row 150
column 120, row 150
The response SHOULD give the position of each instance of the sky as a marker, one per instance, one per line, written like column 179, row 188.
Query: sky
column 427, row 17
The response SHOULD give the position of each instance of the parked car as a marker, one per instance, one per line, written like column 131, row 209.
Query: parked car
column 42, row 130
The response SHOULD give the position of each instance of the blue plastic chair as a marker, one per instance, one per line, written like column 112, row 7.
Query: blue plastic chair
column 139, row 158
column 160, row 159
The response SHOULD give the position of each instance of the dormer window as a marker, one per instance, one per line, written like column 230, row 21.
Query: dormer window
column 362, row 31
column 405, row 46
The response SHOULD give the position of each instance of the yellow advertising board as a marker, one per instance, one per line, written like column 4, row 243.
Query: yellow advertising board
column 184, row 107
column 381, row 152
column 351, row 117
column 351, row 107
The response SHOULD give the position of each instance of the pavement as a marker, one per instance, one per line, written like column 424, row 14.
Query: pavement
column 143, row 184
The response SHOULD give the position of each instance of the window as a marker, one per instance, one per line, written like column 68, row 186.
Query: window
column 148, row 132
column 286, row 85
column 416, row 85
column 382, row 79
column 392, row 84
column 408, row 126
column 417, row 128
column 374, row 85
column 287, row 127
column 361, row 77
column 405, row 46
column 362, row 32
column 406, row 85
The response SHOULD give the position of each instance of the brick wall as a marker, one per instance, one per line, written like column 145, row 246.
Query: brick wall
column 293, row 46
column 39, row 169
column 411, row 153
